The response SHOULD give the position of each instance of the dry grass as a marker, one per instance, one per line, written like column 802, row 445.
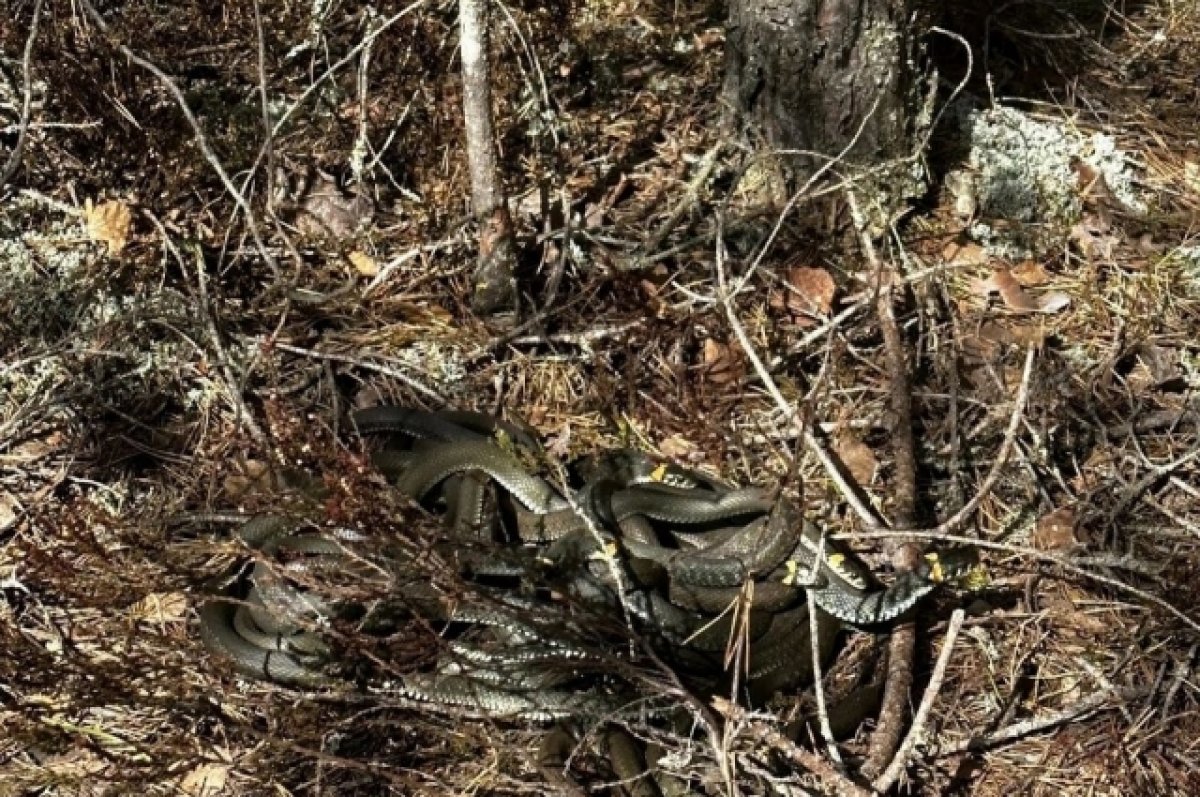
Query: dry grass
column 118, row 409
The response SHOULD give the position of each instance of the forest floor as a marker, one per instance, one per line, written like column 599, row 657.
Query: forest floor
column 160, row 355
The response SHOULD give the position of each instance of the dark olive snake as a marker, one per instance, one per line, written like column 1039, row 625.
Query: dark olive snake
column 689, row 546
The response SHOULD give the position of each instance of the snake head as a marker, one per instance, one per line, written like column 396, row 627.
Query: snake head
column 955, row 564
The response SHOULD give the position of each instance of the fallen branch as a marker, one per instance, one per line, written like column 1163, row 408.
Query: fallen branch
column 884, row 782
column 14, row 158
column 902, row 641
column 834, row 781
column 1093, row 702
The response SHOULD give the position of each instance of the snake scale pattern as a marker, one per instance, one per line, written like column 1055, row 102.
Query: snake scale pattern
column 671, row 547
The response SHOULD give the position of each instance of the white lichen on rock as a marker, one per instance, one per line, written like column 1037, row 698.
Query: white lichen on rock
column 440, row 361
column 1188, row 260
column 1024, row 193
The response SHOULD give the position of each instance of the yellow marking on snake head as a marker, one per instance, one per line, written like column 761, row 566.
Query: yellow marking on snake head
column 936, row 573
column 659, row 473
column 793, row 570
column 607, row 553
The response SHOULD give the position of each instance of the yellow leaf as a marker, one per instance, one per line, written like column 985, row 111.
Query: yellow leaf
column 160, row 607
column 206, row 780
column 363, row 263
column 108, row 223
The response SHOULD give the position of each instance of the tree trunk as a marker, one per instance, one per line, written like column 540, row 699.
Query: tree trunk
column 495, row 291
column 818, row 75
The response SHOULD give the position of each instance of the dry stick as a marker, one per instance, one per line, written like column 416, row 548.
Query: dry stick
column 232, row 385
column 1041, row 556
column 326, row 75
column 815, row 445
column 884, row 782
column 690, row 197
column 960, row 517
column 902, row 641
column 1093, row 702
column 14, row 158
column 265, row 106
column 814, row 631
column 494, row 290
column 197, row 131
column 560, row 263
column 1131, row 493
column 584, row 338
column 242, row 412
column 850, row 493
column 835, row 782
column 847, row 183
column 368, row 365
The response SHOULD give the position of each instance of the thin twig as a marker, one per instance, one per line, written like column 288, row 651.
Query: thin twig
column 1033, row 553
column 368, row 365
column 201, row 138
column 583, row 338
column 814, row 638
column 707, row 164
column 14, row 158
column 1093, row 702
column 219, row 353
column 884, row 782
column 849, row 492
column 902, row 642
column 264, row 104
column 834, row 781
column 564, row 253
column 955, row 521
column 312, row 88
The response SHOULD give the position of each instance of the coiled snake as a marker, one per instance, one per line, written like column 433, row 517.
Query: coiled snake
column 673, row 547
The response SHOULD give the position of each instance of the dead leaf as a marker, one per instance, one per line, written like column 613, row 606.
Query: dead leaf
column 968, row 254
column 720, row 364
column 160, row 607
column 1091, row 236
column 108, row 223
column 253, row 476
column 363, row 263
column 1161, row 364
column 1056, row 531
column 808, row 292
column 1003, row 282
column 1146, row 245
column 325, row 210
column 1096, row 470
column 1053, row 302
column 75, row 764
column 1027, row 335
column 858, row 458
column 1093, row 188
column 558, row 445
column 979, row 347
column 206, row 780
column 9, row 507
column 677, row 447
column 1015, row 298
column 1012, row 334
column 1030, row 273
column 654, row 302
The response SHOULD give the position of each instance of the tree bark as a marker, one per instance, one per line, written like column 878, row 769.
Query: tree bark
column 495, row 291
column 821, row 75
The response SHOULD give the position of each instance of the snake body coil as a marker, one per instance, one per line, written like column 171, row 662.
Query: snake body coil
column 675, row 548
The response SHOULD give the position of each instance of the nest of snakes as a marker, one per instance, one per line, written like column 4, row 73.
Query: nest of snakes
column 676, row 560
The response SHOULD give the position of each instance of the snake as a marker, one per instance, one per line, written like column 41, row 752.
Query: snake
column 687, row 546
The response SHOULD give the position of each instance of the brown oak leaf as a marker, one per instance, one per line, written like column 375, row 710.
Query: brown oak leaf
column 808, row 292
column 108, row 223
